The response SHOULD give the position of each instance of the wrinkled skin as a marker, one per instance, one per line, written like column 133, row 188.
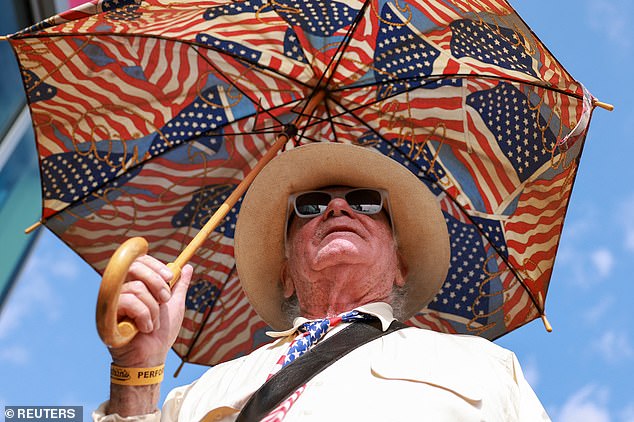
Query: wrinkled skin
column 340, row 260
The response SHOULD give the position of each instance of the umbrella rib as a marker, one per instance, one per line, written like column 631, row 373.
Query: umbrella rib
column 333, row 127
column 462, row 209
column 204, row 322
column 229, row 81
column 333, row 64
column 413, row 88
column 457, row 76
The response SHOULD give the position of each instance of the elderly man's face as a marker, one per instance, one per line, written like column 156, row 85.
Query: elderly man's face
column 342, row 243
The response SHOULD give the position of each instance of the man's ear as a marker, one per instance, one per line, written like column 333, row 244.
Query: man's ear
column 401, row 275
column 288, row 287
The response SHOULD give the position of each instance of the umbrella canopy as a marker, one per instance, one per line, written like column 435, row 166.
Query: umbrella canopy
column 148, row 114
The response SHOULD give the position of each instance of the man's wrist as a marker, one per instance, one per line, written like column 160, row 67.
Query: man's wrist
column 134, row 376
column 133, row 400
column 134, row 359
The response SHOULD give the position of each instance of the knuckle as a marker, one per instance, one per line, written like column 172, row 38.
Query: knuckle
column 136, row 287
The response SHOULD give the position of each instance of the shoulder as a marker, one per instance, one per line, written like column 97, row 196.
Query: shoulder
column 456, row 348
column 416, row 334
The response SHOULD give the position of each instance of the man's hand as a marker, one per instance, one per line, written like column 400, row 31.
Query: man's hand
column 158, row 314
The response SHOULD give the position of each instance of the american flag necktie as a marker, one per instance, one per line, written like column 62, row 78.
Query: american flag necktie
column 309, row 334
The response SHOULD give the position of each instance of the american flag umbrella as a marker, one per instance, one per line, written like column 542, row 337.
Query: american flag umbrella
column 149, row 114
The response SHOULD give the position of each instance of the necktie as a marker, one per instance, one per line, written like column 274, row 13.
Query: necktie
column 309, row 334
column 313, row 331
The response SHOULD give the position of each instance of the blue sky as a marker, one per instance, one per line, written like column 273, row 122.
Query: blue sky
column 50, row 353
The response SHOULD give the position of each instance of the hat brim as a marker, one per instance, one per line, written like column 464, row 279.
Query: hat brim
column 419, row 224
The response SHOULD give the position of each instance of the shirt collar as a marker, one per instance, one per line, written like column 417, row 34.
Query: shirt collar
column 381, row 310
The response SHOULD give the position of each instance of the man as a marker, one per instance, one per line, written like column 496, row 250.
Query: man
column 328, row 229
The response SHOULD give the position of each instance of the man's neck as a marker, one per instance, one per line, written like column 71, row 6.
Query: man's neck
column 332, row 294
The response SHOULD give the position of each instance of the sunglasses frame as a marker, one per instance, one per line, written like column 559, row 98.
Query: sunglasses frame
column 292, row 205
column 291, row 212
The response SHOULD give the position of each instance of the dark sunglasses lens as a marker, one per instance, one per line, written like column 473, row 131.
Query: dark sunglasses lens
column 365, row 201
column 311, row 203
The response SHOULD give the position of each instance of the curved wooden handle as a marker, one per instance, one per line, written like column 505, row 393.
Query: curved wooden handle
column 116, row 333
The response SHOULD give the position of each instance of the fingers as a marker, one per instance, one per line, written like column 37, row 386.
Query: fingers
column 138, row 304
column 146, row 289
column 154, row 274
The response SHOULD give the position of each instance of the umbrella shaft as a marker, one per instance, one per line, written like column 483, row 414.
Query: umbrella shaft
column 280, row 140
column 190, row 250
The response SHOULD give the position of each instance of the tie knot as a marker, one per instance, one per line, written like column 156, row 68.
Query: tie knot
column 318, row 327
column 313, row 331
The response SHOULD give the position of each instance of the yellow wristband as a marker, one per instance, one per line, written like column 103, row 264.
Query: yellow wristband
column 136, row 376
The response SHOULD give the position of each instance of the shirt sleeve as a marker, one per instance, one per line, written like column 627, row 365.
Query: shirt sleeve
column 169, row 413
column 99, row 415
column 530, row 408
column 173, row 403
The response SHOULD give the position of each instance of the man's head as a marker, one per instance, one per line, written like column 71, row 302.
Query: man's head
column 421, row 259
column 340, row 250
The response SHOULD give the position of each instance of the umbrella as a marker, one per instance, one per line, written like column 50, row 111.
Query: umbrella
column 149, row 115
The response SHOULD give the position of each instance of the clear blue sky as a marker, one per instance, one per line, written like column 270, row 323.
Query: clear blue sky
column 50, row 353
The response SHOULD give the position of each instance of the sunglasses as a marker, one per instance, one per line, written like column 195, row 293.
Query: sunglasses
column 361, row 200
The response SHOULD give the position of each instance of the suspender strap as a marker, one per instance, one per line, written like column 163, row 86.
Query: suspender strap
column 288, row 379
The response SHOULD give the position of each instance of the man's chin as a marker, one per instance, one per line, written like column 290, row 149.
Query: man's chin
column 339, row 251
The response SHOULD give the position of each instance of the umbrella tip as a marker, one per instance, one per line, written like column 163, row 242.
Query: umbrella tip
column 178, row 370
column 4, row 38
column 32, row 227
column 547, row 325
column 605, row 106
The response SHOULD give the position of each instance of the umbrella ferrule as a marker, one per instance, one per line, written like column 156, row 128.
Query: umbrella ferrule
column 290, row 130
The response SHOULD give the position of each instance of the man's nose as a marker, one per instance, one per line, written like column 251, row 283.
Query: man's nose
column 338, row 207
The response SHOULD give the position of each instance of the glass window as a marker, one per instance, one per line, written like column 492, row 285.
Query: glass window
column 14, row 16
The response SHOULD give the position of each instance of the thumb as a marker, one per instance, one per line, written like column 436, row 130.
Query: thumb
column 179, row 292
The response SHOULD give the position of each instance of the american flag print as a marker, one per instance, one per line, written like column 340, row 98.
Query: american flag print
column 147, row 114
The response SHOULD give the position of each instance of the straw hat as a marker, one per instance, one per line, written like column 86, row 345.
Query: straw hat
column 259, row 238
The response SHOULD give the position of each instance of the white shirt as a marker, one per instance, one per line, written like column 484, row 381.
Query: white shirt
column 411, row 374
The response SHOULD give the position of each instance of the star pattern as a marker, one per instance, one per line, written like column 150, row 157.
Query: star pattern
column 201, row 295
column 322, row 19
column 35, row 88
column 71, row 176
column 313, row 331
column 233, row 48
column 202, row 206
column 460, row 293
column 110, row 5
column 205, row 114
column 125, row 13
column 292, row 47
column 233, row 9
column 490, row 44
column 402, row 55
column 516, row 125
column 494, row 232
